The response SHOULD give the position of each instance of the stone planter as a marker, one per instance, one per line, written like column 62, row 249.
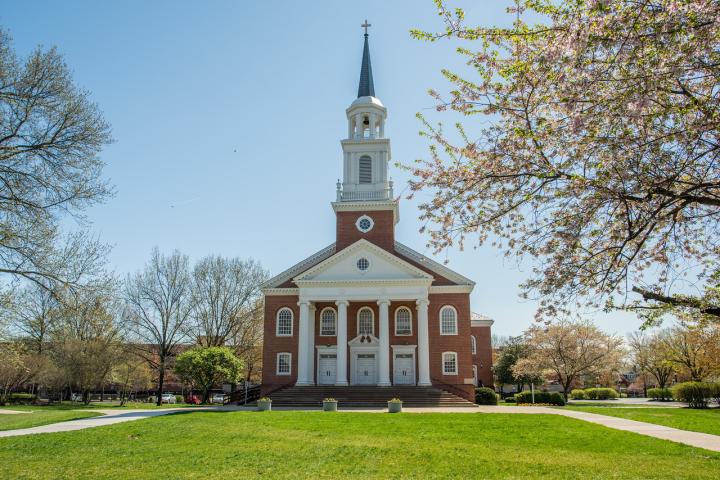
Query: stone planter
column 329, row 406
column 394, row 407
column 264, row 406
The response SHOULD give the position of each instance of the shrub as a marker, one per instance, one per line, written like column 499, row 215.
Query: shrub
column 179, row 399
column 716, row 393
column 601, row 393
column 21, row 398
column 659, row 393
column 509, row 399
column 152, row 399
column 485, row 396
column 695, row 394
column 577, row 394
column 550, row 398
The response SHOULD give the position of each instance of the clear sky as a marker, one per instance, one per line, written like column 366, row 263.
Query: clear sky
column 227, row 117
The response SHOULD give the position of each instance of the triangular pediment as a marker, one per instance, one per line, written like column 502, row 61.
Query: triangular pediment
column 346, row 264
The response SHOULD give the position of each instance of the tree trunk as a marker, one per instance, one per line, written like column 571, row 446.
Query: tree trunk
column 161, row 382
column 86, row 396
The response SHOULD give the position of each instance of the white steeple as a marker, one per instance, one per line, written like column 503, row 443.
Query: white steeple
column 366, row 151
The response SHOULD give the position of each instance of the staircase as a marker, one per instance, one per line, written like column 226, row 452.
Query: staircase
column 366, row 396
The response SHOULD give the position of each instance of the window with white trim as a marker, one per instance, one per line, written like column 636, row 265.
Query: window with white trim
column 365, row 169
column 448, row 321
column 284, row 323
column 284, row 360
column 403, row 321
column 328, row 323
column 449, row 363
column 365, row 321
column 473, row 344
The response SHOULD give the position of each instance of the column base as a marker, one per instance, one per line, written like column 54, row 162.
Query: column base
column 424, row 384
column 384, row 384
column 302, row 384
column 341, row 384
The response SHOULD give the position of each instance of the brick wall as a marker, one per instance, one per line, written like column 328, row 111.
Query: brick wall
column 382, row 233
column 483, row 358
column 273, row 344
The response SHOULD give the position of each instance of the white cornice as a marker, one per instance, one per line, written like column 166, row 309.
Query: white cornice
column 478, row 320
column 299, row 267
column 364, row 244
column 431, row 264
column 451, row 289
column 368, row 206
column 281, row 291
column 410, row 282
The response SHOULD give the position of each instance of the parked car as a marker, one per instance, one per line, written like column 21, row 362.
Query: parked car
column 192, row 399
column 168, row 398
column 76, row 397
column 217, row 398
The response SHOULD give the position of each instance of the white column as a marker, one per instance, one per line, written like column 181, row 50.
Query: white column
column 423, row 343
column 372, row 125
column 358, row 125
column 341, row 376
column 302, row 361
column 311, row 346
column 384, row 334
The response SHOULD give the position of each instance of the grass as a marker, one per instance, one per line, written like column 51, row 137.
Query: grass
column 36, row 416
column 352, row 445
column 705, row 421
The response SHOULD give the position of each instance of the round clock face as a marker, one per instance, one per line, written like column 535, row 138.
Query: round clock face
column 364, row 224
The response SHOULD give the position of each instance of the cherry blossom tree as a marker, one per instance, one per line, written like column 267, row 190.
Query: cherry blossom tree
column 590, row 144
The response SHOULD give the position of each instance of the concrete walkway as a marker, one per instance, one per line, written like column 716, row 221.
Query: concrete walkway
column 108, row 417
column 11, row 412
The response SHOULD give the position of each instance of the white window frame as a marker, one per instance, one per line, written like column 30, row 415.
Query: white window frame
column 361, row 218
column 396, row 322
column 475, row 376
column 441, row 319
column 335, row 325
column 277, row 322
column 277, row 364
column 473, row 344
column 372, row 320
column 442, row 361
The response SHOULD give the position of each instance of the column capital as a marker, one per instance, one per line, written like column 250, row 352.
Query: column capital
column 342, row 302
column 383, row 301
column 302, row 302
column 312, row 307
column 420, row 302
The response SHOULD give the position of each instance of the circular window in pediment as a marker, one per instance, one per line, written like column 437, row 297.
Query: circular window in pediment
column 364, row 224
column 363, row 264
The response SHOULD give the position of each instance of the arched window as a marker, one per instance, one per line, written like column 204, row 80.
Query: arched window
column 473, row 344
column 365, row 169
column 449, row 363
column 284, row 323
column 365, row 321
column 403, row 321
column 448, row 321
column 328, row 323
column 282, row 366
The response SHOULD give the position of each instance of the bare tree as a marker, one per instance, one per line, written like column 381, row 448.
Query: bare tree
column 651, row 355
column 565, row 351
column 158, row 306
column 50, row 138
column 33, row 313
column 247, row 341
column 224, row 293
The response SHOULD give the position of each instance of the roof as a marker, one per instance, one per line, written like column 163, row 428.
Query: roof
column 479, row 320
column 366, row 87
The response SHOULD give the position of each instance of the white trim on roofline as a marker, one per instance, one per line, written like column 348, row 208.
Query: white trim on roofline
column 298, row 268
column 431, row 264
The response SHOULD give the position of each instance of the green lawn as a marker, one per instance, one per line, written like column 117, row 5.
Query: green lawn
column 36, row 416
column 706, row 421
column 351, row 445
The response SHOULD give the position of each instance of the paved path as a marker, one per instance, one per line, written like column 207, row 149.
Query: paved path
column 11, row 412
column 108, row 417
column 629, row 402
column 694, row 439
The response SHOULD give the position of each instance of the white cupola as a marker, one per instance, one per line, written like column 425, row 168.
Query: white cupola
column 366, row 151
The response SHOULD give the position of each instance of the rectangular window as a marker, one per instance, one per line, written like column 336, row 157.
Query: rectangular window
column 283, row 363
column 449, row 363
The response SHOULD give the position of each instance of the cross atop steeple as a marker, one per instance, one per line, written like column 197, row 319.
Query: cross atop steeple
column 365, row 26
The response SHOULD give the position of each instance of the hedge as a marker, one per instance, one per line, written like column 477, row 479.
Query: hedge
column 552, row 398
column 600, row 393
column 659, row 393
column 21, row 398
column 485, row 396
column 509, row 399
column 578, row 394
column 695, row 394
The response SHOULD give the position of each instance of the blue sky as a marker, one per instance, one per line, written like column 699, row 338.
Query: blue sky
column 227, row 117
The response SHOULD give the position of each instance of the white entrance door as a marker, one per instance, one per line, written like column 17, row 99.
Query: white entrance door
column 404, row 364
column 365, row 369
column 327, row 368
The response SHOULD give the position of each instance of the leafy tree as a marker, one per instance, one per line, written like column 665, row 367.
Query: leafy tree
column 595, row 151
column 652, row 356
column 158, row 307
column 131, row 373
column 515, row 349
column 694, row 350
column 50, row 138
column 18, row 367
column 207, row 367
column 565, row 351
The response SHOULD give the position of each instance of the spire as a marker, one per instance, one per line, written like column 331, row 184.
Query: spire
column 366, row 87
